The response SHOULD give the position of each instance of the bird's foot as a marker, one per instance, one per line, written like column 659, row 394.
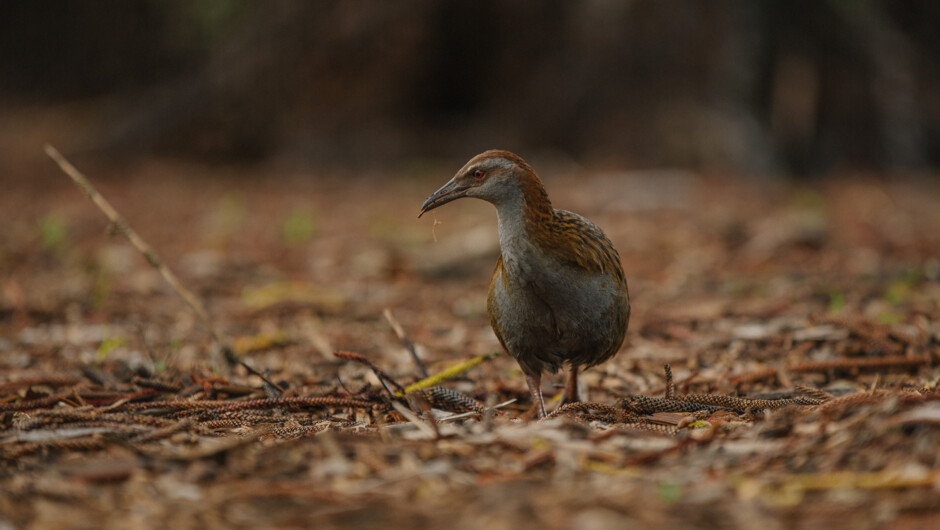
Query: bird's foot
column 571, row 394
column 535, row 390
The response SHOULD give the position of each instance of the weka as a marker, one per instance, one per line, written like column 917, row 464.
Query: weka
column 558, row 294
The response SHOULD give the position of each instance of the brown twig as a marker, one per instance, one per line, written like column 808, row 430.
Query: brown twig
column 422, row 426
column 62, row 416
column 105, row 400
column 37, row 403
column 44, row 380
column 487, row 415
column 269, row 403
column 381, row 374
column 270, row 387
column 419, row 402
column 73, row 444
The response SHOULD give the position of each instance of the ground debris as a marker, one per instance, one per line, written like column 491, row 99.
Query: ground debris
column 800, row 381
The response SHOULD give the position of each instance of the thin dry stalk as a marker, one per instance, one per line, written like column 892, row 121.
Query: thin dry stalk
column 429, row 431
column 293, row 403
column 270, row 387
column 50, row 380
column 149, row 254
column 37, row 403
column 381, row 374
column 405, row 340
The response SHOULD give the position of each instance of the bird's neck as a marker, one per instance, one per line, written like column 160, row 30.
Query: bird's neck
column 521, row 213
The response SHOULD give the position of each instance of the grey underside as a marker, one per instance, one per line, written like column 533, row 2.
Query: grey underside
column 550, row 312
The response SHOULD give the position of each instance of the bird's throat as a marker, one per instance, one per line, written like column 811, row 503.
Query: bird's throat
column 521, row 214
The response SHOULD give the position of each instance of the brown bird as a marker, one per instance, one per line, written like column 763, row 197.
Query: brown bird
column 558, row 294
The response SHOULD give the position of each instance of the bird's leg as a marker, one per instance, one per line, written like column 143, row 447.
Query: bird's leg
column 571, row 388
column 535, row 390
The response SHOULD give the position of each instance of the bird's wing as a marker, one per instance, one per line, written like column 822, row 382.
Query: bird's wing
column 580, row 242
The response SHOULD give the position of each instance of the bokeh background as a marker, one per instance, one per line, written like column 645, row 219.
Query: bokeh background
column 766, row 169
column 795, row 87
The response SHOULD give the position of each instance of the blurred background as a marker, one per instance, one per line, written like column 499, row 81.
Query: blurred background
column 794, row 87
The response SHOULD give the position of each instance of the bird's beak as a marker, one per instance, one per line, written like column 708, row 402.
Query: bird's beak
column 448, row 192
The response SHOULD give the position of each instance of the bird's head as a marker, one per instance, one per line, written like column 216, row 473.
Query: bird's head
column 493, row 176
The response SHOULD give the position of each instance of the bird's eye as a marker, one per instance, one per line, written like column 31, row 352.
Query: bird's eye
column 478, row 173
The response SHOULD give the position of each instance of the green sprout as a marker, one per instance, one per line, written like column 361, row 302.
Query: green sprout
column 298, row 227
column 53, row 232
column 108, row 345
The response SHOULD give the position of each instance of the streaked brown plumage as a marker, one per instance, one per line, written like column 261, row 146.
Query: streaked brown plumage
column 558, row 293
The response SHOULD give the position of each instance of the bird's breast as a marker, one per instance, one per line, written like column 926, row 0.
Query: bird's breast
column 547, row 311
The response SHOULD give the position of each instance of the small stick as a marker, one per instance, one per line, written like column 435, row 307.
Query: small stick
column 403, row 337
column 489, row 411
column 139, row 329
column 149, row 254
column 347, row 390
column 414, row 419
column 379, row 373
column 270, row 387
column 419, row 403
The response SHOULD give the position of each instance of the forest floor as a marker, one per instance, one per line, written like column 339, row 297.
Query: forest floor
column 815, row 303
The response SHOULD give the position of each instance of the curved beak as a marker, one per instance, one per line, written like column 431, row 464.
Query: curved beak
column 448, row 192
